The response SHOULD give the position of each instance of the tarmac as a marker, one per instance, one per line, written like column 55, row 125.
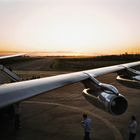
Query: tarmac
column 53, row 121
column 57, row 115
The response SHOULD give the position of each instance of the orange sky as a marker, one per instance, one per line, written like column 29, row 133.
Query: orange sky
column 82, row 26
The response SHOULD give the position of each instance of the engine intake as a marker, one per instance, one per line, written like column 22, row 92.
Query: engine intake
column 111, row 103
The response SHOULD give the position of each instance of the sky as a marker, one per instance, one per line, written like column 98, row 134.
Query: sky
column 82, row 26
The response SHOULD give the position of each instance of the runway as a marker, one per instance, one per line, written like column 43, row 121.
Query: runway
column 54, row 121
column 109, row 125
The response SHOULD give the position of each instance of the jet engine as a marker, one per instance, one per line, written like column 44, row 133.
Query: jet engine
column 113, row 104
column 104, row 96
column 129, row 77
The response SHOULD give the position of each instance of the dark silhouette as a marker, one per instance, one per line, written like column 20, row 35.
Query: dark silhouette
column 86, row 123
column 132, row 128
column 17, row 116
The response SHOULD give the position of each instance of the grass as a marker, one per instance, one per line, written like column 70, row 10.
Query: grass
column 69, row 63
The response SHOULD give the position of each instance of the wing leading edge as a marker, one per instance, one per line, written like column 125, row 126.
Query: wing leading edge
column 11, row 56
column 16, row 92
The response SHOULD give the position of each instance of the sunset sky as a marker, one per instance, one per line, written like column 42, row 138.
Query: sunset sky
column 82, row 26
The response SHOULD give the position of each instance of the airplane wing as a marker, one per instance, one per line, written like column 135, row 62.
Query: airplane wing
column 11, row 56
column 19, row 91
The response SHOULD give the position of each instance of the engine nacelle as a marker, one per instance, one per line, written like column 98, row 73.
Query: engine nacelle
column 104, row 96
column 131, row 82
column 129, row 77
column 111, row 103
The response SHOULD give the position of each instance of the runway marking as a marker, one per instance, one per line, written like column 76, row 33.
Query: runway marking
column 115, row 131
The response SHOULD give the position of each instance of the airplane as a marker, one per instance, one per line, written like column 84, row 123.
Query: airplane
column 101, row 95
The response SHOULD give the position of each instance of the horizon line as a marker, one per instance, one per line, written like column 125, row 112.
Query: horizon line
column 65, row 54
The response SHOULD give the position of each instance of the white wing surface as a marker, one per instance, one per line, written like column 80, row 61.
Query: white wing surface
column 16, row 92
column 11, row 56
